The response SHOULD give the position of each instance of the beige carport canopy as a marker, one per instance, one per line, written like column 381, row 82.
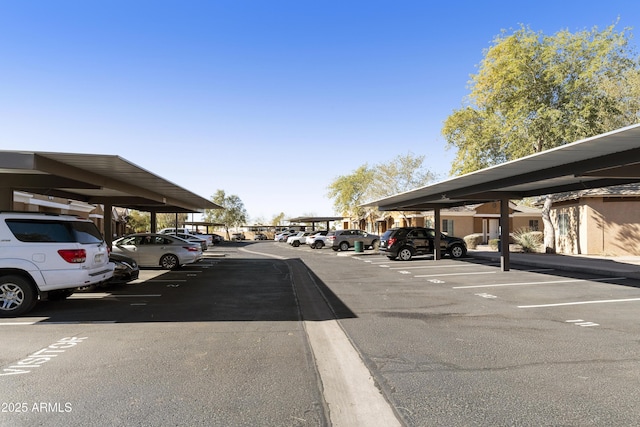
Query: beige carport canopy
column 96, row 179
column 609, row 159
column 316, row 219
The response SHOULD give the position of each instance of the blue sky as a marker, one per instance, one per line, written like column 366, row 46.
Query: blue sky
column 268, row 100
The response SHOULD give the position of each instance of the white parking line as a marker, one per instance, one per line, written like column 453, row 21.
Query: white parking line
column 17, row 323
column 604, row 301
column 104, row 295
column 435, row 266
column 456, row 274
column 497, row 285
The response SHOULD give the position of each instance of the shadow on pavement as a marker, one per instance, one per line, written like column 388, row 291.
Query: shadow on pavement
column 215, row 290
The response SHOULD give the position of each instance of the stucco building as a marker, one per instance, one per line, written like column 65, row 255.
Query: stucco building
column 600, row 221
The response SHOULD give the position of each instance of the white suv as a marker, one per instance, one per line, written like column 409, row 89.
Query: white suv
column 47, row 256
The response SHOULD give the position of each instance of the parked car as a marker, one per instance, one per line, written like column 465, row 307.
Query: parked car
column 172, row 230
column 237, row 236
column 299, row 238
column 208, row 238
column 126, row 270
column 193, row 238
column 283, row 236
column 217, row 238
column 345, row 239
column 158, row 250
column 47, row 256
column 404, row 243
column 260, row 236
column 317, row 240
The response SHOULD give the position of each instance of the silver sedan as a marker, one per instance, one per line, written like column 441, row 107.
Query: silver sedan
column 158, row 250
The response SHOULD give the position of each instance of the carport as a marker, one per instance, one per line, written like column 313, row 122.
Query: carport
column 96, row 179
column 604, row 160
column 316, row 219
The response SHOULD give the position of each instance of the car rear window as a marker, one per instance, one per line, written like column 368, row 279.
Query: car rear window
column 387, row 234
column 27, row 230
column 86, row 232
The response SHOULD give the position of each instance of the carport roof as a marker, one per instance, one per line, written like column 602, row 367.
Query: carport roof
column 315, row 218
column 609, row 159
column 96, row 179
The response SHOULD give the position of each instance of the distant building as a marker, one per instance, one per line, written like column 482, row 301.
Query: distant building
column 600, row 221
column 462, row 221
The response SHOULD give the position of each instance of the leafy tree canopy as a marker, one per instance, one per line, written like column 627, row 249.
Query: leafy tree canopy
column 278, row 219
column 233, row 213
column 534, row 92
column 366, row 183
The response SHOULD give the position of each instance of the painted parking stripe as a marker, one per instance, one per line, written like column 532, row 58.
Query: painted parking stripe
column 17, row 323
column 456, row 274
column 103, row 296
column 550, row 282
column 438, row 266
column 603, row 301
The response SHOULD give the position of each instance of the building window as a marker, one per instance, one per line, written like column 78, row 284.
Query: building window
column 447, row 226
column 533, row 225
column 563, row 224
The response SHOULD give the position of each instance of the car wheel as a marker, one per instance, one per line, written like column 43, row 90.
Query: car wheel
column 375, row 245
column 169, row 261
column 457, row 251
column 296, row 243
column 405, row 254
column 17, row 296
column 319, row 244
column 344, row 246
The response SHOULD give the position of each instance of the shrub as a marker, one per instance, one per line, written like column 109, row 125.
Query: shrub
column 493, row 244
column 529, row 240
column 473, row 240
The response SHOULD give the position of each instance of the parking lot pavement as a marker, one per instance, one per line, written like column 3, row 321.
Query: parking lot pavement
column 258, row 334
column 460, row 342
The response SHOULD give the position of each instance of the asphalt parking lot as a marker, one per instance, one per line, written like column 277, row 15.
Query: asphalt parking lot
column 261, row 333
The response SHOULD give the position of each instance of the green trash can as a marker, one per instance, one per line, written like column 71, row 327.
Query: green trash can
column 358, row 246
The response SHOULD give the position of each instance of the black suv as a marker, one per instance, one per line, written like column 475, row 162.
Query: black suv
column 406, row 242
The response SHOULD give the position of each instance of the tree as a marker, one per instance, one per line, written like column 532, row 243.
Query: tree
column 534, row 92
column 277, row 220
column 349, row 191
column 403, row 173
column 168, row 220
column 233, row 213
column 138, row 222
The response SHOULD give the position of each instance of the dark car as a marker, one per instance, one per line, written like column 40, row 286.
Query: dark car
column 126, row 268
column 404, row 243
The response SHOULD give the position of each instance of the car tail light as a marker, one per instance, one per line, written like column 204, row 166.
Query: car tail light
column 191, row 248
column 391, row 241
column 73, row 256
